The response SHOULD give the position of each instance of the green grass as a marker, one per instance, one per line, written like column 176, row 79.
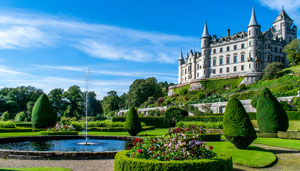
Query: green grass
column 37, row 169
column 278, row 142
column 14, row 134
column 252, row 157
column 156, row 132
column 294, row 69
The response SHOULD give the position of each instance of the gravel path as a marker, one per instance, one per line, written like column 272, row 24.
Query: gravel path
column 75, row 165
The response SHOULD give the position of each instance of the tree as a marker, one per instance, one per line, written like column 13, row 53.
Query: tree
column 74, row 98
column 293, row 52
column 272, row 69
column 175, row 114
column 237, row 126
column 94, row 105
column 111, row 102
column 132, row 123
column 270, row 115
column 43, row 114
column 56, row 97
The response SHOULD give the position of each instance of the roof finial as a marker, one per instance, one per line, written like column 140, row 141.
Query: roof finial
column 205, row 30
column 253, row 21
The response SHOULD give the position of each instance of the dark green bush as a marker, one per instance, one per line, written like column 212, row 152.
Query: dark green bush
column 296, row 102
column 237, row 126
column 21, row 116
column 124, row 163
column 43, row 115
column 176, row 114
column 271, row 71
column 252, row 115
column 132, row 123
column 270, row 115
column 58, row 133
column 200, row 95
column 5, row 116
column 7, row 124
column 254, row 100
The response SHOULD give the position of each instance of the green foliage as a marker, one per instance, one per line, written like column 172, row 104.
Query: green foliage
column 221, row 84
column 207, row 125
column 293, row 52
column 206, row 137
column 5, row 116
column 286, row 106
column 125, row 163
column 272, row 70
column 43, row 115
column 254, row 100
column 155, row 113
column 175, row 113
column 200, row 95
column 56, row 98
column 8, row 130
column 296, row 102
column 209, row 99
column 7, row 124
column 289, row 135
column 132, row 123
column 21, row 116
column 111, row 103
column 205, row 118
column 75, row 103
column 182, row 90
column 270, row 115
column 157, row 121
column 237, row 126
column 58, row 133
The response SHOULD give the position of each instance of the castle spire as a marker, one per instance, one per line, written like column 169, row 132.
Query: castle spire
column 205, row 30
column 181, row 56
column 253, row 21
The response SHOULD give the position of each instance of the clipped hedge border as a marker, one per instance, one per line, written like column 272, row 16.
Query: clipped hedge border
column 117, row 129
column 289, row 135
column 207, row 137
column 267, row 135
column 2, row 130
column 124, row 163
column 204, row 118
column 157, row 121
column 58, row 133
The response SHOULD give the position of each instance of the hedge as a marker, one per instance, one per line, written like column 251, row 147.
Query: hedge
column 18, row 130
column 207, row 125
column 7, row 124
column 58, row 133
column 116, row 129
column 292, row 115
column 124, row 163
column 204, row 118
column 206, row 137
column 289, row 135
column 267, row 135
column 157, row 121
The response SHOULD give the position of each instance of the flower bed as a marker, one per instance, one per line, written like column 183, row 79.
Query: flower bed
column 58, row 133
column 60, row 129
column 180, row 149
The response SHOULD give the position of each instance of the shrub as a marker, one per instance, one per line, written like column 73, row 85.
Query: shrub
column 200, row 95
column 205, row 118
column 296, row 102
column 43, row 114
column 124, row 163
column 293, row 115
column 207, row 125
column 270, row 115
column 154, row 112
column 132, row 123
column 286, row 106
column 21, row 116
column 175, row 114
column 207, row 137
column 237, row 126
column 254, row 101
column 7, row 124
column 272, row 69
column 5, row 116
column 157, row 121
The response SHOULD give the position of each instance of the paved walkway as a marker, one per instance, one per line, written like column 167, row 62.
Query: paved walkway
column 288, row 160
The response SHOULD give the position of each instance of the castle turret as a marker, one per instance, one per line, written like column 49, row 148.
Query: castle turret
column 205, row 52
column 253, row 34
column 180, row 62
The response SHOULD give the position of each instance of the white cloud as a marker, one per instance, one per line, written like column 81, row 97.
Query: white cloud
column 292, row 7
column 96, row 40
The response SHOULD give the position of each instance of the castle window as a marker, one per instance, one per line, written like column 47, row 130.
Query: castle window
column 228, row 48
column 242, row 67
column 275, row 49
column 184, row 78
column 242, row 46
column 249, row 32
column 256, row 42
column 269, row 45
column 214, row 62
column 221, row 50
column 190, row 68
column 221, row 70
column 234, row 68
column 197, row 66
column 228, row 59
column 250, row 43
column 250, row 54
column 185, row 71
column 249, row 66
column 214, row 71
column 221, row 61
column 242, row 58
column 227, row 69
column 235, row 59
column 197, row 74
column 214, row 51
column 235, row 47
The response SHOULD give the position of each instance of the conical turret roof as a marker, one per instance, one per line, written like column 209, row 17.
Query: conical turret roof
column 253, row 21
column 205, row 30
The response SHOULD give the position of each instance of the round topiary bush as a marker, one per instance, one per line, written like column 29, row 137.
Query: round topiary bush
column 175, row 114
column 124, row 163
column 43, row 115
column 5, row 116
column 237, row 126
column 21, row 116
column 270, row 115
column 132, row 123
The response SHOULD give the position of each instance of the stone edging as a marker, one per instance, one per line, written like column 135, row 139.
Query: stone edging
column 57, row 155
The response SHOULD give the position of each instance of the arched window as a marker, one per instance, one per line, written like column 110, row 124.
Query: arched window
column 242, row 58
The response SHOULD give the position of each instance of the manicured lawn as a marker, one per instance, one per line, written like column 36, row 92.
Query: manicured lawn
column 37, row 169
column 278, row 142
column 14, row 134
column 252, row 157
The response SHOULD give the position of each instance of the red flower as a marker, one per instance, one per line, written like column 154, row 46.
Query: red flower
column 139, row 150
column 151, row 148
column 176, row 158
column 164, row 154
column 211, row 147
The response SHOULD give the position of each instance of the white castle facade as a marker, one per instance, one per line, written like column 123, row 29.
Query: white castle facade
column 242, row 54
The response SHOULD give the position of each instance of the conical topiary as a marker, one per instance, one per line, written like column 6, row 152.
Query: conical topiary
column 132, row 123
column 237, row 126
column 270, row 115
column 43, row 115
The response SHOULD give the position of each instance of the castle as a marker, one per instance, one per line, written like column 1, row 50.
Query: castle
column 243, row 54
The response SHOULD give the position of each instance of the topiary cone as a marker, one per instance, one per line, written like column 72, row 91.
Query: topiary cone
column 270, row 115
column 132, row 123
column 237, row 126
column 43, row 115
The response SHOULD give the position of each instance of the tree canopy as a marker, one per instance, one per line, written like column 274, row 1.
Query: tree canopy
column 293, row 52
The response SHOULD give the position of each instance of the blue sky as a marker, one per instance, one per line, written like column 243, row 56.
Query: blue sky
column 47, row 44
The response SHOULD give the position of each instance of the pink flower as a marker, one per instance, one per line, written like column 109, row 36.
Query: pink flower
column 139, row 150
column 151, row 148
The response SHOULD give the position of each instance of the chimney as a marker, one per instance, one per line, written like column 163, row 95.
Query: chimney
column 214, row 36
column 228, row 32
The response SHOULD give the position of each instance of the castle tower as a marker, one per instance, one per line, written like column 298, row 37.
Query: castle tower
column 253, row 34
column 205, row 52
column 180, row 62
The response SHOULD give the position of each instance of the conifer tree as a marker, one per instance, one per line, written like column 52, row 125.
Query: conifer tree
column 132, row 123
